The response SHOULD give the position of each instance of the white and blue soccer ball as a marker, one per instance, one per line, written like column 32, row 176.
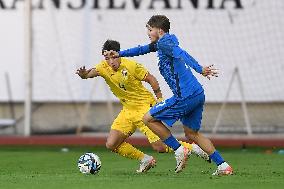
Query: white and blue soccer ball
column 89, row 163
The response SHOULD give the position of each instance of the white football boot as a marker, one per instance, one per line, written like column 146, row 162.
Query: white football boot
column 223, row 169
column 146, row 163
column 181, row 155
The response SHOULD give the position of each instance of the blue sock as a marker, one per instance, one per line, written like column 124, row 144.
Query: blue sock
column 172, row 142
column 217, row 158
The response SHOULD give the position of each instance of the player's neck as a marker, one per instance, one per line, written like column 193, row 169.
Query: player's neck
column 161, row 34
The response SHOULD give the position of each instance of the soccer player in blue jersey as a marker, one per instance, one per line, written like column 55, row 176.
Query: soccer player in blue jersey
column 188, row 98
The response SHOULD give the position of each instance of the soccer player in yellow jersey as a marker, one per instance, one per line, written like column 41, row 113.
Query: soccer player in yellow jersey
column 124, row 77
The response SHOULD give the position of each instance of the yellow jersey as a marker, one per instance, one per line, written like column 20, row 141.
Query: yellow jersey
column 125, row 83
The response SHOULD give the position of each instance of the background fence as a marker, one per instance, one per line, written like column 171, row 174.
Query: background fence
column 243, row 38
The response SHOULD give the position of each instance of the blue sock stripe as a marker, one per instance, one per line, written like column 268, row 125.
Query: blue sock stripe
column 172, row 142
column 217, row 158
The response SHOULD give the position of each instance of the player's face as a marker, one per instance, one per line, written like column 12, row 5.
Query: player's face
column 153, row 33
column 114, row 63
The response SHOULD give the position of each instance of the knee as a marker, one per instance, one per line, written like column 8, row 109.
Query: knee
column 110, row 145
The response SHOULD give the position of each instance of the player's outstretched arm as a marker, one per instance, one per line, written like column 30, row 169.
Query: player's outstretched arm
column 172, row 49
column 139, row 50
column 85, row 74
column 154, row 85
column 190, row 61
column 135, row 51
column 209, row 71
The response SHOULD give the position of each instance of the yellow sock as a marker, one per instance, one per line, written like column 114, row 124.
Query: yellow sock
column 185, row 144
column 129, row 151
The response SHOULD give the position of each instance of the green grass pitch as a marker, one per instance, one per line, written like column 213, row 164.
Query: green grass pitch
column 49, row 167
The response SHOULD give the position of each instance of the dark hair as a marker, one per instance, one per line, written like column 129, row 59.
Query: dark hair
column 160, row 21
column 111, row 45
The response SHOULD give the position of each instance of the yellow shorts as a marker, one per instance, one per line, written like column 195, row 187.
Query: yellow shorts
column 129, row 120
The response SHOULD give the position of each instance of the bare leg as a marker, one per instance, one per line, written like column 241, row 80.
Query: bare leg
column 160, row 147
column 156, row 126
column 181, row 152
column 204, row 143
column 114, row 139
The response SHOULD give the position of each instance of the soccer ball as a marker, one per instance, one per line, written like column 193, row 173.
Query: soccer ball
column 89, row 163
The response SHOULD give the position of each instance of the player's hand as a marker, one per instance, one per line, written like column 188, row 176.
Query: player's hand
column 210, row 71
column 111, row 53
column 82, row 72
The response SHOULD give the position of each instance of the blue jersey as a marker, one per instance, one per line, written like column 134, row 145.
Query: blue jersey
column 174, row 65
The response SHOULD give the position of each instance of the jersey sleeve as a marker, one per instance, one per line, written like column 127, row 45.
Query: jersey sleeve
column 139, row 50
column 100, row 69
column 140, row 72
column 190, row 61
column 174, row 51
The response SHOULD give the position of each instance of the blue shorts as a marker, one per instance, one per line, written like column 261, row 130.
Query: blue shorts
column 188, row 111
